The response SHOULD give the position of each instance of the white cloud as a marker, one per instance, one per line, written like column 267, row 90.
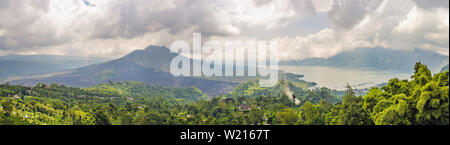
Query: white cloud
column 431, row 4
column 345, row 14
column 426, row 29
column 268, row 13
column 323, row 5
column 389, row 26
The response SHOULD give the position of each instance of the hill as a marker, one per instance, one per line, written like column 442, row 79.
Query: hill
column 138, row 89
column 378, row 59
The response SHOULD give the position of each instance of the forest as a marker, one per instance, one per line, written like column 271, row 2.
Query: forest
column 421, row 100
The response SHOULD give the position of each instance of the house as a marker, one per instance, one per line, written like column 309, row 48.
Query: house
column 245, row 107
column 30, row 92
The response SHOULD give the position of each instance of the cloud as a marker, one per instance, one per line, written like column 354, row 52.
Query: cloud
column 323, row 5
column 424, row 29
column 31, row 26
column 389, row 26
column 141, row 16
column 262, row 2
column 89, row 4
column 345, row 14
column 271, row 14
column 431, row 4
column 18, row 19
column 305, row 28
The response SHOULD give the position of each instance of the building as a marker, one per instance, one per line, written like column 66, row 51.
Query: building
column 245, row 107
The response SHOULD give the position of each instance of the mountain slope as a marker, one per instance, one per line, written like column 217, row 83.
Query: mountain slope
column 133, row 67
column 152, row 57
column 378, row 59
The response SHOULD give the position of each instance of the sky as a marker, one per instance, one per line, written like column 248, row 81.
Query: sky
column 303, row 28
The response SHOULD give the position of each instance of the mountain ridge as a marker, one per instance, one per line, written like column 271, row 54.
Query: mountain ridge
column 377, row 58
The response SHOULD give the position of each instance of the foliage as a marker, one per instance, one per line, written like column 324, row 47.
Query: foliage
column 423, row 100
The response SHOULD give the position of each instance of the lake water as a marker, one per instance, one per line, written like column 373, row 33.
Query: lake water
column 337, row 78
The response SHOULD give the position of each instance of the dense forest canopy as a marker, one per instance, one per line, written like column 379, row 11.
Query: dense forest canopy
column 423, row 100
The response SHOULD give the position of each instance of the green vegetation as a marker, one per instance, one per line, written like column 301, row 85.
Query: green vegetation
column 284, row 88
column 137, row 89
column 423, row 100
column 112, row 103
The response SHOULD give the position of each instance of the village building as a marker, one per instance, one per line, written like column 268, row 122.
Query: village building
column 245, row 107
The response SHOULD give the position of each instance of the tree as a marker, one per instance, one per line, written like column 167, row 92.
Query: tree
column 287, row 117
column 256, row 116
column 8, row 107
column 396, row 111
column 422, row 75
column 311, row 114
column 432, row 105
column 424, row 100
column 352, row 112
column 101, row 118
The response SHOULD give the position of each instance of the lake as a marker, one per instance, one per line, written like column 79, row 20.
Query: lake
column 337, row 78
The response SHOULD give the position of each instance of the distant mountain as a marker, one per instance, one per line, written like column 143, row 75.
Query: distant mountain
column 25, row 65
column 445, row 68
column 60, row 61
column 378, row 59
column 20, row 68
column 150, row 66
